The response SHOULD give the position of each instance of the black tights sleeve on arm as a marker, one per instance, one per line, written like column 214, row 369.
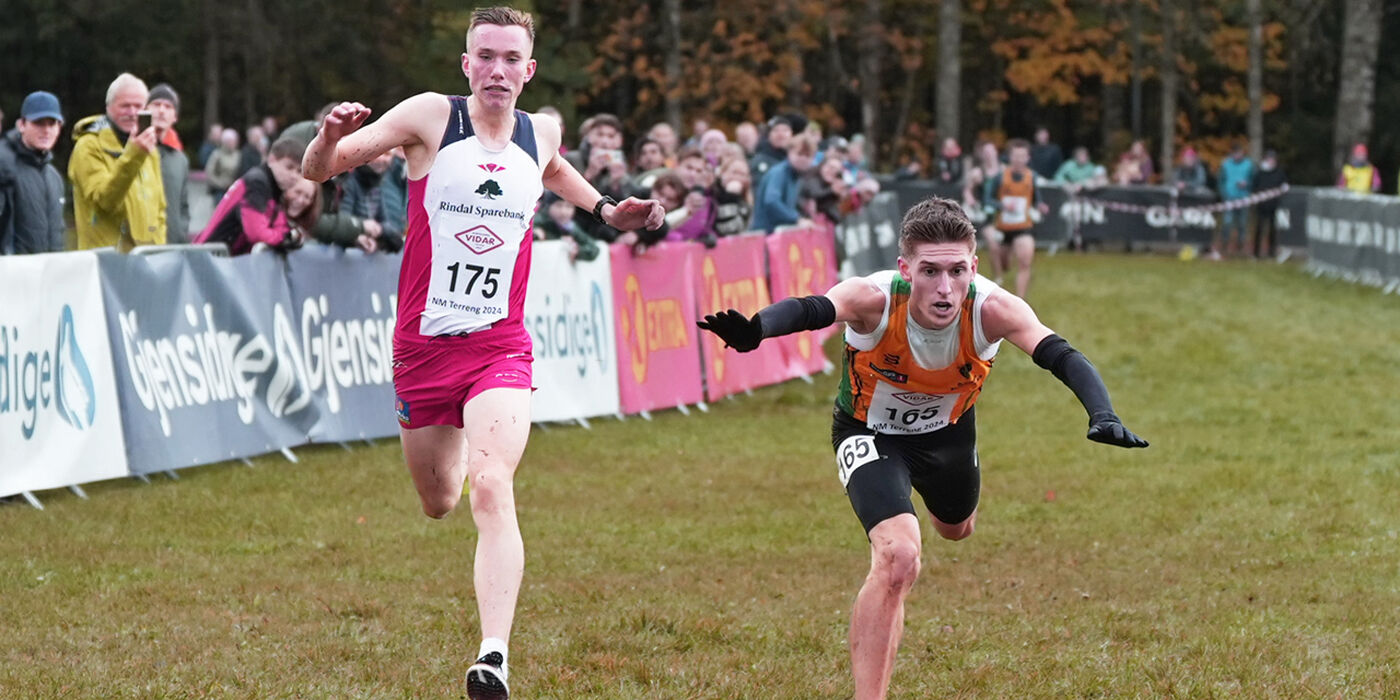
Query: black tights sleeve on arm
column 1071, row 367
column 795, row 314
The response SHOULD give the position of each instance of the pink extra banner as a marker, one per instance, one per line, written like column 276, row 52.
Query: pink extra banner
column 654, row 295
column 802, row 262
column 731, row 276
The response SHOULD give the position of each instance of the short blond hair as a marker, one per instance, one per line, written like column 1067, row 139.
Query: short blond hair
column 502, row 17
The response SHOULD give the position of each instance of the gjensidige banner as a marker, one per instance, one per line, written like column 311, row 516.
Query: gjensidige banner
column 206, row 356
column 344, row 308
column 59, row 420
column 569, row 313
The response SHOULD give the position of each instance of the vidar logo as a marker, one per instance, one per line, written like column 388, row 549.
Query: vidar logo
column 480, row 239
column 914, row 398
column 490, row 189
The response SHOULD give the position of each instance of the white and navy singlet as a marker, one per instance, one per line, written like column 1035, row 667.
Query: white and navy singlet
column 466, row 254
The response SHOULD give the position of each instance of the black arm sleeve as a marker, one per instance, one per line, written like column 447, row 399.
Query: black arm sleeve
column 795, row 314
column 1071, row 367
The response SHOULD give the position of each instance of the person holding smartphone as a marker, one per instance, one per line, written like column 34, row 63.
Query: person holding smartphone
column 604, row 165
column 118, row 195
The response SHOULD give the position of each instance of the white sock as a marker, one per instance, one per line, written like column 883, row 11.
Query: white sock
column 495, row 644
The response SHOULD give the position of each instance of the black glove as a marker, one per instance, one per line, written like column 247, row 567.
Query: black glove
column 1109, row 430
column 736, row 330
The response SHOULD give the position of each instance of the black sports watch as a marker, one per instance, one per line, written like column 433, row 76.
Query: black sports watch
column 598, row 208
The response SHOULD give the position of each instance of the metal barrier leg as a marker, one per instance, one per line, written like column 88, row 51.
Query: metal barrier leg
column 78, row 491
column 33, row 501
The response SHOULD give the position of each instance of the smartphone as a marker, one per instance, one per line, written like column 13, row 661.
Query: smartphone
column 143, row 122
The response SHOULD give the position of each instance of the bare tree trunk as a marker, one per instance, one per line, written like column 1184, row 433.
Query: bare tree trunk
column 673, row 63
column 254, row 58
column 1256, row 79
column 1113, row 118
column 1170, row 77
column 212, row 51
column 907, row 93
column 1361, row 35
column 575, row 14
column 872, row 47
column 1135, row 71
column 796, row 78
column 833, row 52
column 949, row 68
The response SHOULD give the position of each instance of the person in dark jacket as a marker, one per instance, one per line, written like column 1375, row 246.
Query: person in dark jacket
column 773, row 149
column 1269, row 176
column 1191, row 173
column 31, row 190
column 362, row 194
column 164, row 105
column 1046, row 156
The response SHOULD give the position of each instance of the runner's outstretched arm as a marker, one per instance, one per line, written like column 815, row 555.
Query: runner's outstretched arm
column 341, row 144
column 1010, row 317
column 852, row 301
column 630, row 214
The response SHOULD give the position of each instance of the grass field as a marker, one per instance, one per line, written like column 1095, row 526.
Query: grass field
column 1252, row 551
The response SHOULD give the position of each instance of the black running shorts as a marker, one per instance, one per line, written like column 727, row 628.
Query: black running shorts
column 878, row 470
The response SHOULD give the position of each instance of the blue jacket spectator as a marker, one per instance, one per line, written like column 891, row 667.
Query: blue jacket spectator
column 776, row 200
column 1236, row 175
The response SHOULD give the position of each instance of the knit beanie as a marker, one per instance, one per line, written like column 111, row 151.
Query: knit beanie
column 163, row 91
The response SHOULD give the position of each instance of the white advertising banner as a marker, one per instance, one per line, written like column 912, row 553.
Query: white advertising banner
column 59, row 421
column 569, row 313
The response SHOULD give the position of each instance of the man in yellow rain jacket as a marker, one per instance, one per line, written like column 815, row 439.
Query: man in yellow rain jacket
column 118, row 197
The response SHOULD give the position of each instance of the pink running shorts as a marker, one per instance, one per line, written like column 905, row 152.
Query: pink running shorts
column 435, row 378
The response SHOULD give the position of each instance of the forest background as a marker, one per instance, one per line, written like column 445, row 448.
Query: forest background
column 1299, row 76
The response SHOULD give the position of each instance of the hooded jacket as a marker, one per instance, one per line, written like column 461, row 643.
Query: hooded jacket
column 31, row 199
column 118, row 195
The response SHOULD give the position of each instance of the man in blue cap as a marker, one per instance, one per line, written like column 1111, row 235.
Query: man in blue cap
column 31, row 190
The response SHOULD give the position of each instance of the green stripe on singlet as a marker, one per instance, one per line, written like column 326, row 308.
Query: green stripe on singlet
column 899, row 285
column 843, row 394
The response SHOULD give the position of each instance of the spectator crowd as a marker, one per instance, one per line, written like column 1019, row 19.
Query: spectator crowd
column 129, row 177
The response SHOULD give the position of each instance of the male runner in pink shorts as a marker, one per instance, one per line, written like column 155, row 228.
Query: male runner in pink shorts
column 476, row 169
